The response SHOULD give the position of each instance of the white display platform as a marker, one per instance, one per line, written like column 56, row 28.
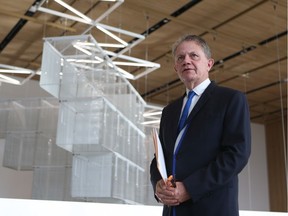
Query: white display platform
column 26, row 207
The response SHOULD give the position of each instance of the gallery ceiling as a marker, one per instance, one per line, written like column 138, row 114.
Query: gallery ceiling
column 248, row 40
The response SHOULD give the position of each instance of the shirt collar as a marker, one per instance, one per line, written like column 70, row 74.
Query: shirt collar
column 199, row 89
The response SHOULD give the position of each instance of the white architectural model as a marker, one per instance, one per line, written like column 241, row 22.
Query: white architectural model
column 99, row 120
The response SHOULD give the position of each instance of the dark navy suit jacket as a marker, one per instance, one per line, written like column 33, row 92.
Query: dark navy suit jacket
column 215, row 148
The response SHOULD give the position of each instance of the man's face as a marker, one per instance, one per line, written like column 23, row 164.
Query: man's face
column 191, row 64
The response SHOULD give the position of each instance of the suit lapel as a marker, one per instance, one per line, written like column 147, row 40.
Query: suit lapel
column 203, row 99
column 178, row 106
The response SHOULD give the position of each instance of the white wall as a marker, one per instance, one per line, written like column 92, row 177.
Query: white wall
column 253, row 191
column 28, row 89
column 253, row 180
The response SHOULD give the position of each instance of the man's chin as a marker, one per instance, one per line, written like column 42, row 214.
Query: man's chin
column 190, row 78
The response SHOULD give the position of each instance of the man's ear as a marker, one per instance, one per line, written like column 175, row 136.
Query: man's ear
column 210, row 63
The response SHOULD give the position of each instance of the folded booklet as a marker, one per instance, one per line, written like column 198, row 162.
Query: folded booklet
column 159, row 155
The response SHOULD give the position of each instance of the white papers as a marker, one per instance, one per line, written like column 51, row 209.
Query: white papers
column 159, row 155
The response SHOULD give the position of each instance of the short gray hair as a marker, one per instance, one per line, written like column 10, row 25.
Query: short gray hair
column 189, row 37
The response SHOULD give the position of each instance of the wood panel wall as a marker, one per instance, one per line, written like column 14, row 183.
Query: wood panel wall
column 277, row 164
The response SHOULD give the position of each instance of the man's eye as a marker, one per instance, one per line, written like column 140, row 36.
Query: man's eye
column 193, row 55
column 180, row 58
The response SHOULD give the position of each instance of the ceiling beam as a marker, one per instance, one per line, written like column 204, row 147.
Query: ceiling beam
column 42, row 22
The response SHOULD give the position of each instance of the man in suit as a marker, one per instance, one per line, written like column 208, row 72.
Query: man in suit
column 207, row 154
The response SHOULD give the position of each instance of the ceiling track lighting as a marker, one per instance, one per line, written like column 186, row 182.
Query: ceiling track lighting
column 73, row 10
column 90, row 48
column 14, row 70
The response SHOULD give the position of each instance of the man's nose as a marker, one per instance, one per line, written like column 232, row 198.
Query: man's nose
column 186, row 59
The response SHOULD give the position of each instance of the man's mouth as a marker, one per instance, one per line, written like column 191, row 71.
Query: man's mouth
column 187, row 69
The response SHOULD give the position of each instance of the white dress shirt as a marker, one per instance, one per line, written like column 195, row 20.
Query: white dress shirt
column 199, row 91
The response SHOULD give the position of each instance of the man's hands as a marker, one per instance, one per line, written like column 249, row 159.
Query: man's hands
column 169, row 195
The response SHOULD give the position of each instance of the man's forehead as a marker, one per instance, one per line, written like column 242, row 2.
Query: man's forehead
column 188, row 47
